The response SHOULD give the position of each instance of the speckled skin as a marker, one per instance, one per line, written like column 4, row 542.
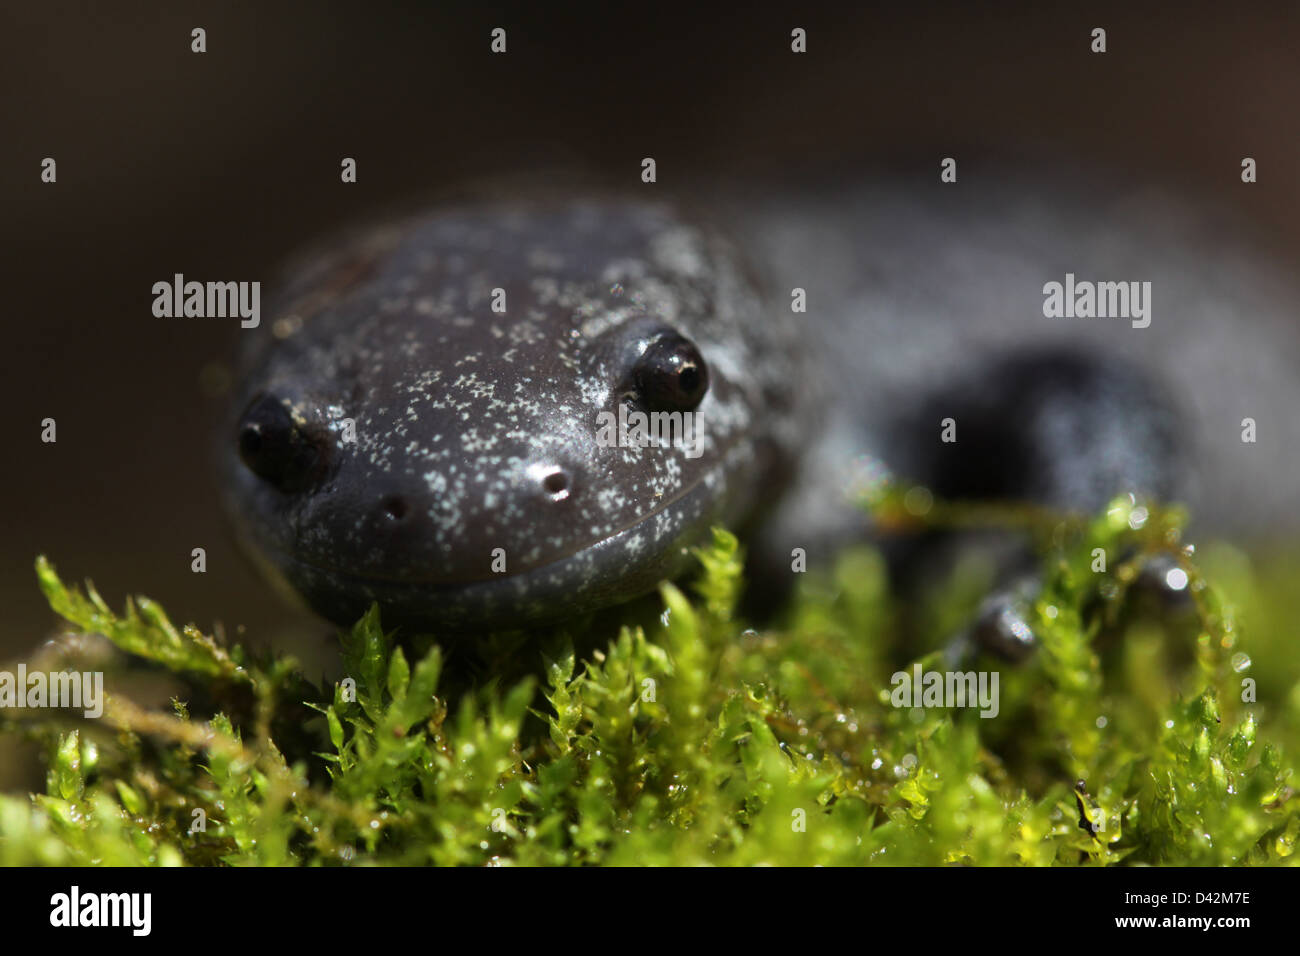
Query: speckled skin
column 461, row 413
column 921, row 304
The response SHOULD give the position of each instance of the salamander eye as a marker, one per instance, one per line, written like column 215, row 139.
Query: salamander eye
column 276, row 449
column 670, row 375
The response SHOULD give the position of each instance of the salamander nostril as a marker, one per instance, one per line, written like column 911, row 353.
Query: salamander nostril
column 556, row 485
column 396, row 507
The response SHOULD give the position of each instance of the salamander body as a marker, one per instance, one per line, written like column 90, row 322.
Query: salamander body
column 420, row 425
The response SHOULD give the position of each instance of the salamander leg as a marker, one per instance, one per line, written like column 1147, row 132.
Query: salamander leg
column 1068, row 430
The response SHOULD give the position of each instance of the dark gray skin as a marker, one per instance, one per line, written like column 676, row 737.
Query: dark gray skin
column 477, row 431
column 920, row 307
column 926, row 302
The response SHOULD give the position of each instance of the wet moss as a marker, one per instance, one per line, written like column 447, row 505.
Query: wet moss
column 1128, row 737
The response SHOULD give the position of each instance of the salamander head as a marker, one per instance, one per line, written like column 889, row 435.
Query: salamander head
column 431, row 420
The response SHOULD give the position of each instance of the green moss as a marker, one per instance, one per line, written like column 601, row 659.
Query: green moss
column 1124, row 740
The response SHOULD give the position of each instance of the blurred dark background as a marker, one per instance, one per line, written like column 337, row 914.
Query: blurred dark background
column 217, row 165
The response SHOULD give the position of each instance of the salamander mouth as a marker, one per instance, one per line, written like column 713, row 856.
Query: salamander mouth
column 622, row 533
column 617, row 567
column 629, row 561
column 724, row 460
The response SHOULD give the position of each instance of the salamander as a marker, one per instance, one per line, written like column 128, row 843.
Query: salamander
column 472, row 351
column 420, row 423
